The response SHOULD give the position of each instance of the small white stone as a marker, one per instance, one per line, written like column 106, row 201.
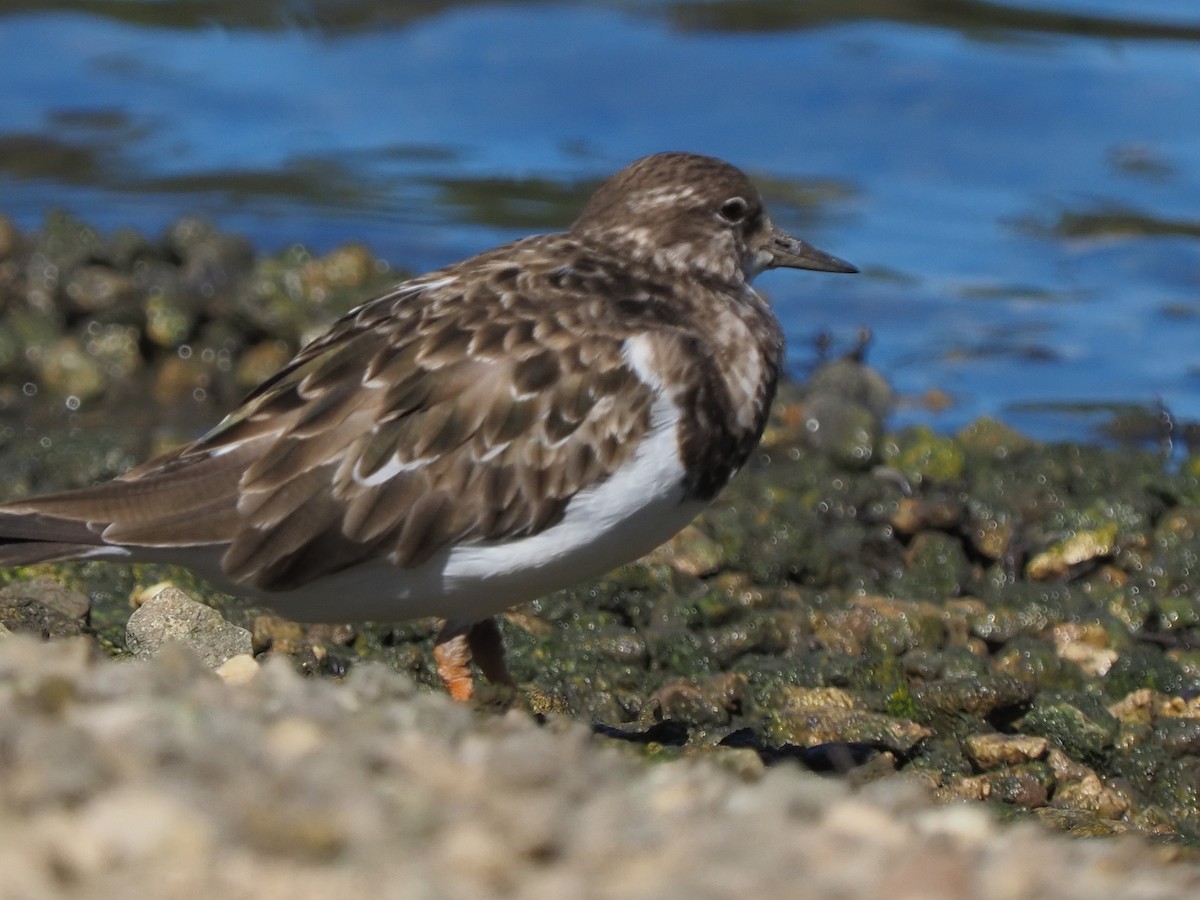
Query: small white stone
column 239, row 669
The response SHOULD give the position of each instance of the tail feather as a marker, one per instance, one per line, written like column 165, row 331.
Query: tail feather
column 172, row 501
column 29, row 537
column 28, row 553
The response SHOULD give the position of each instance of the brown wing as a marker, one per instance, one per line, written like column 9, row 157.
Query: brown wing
column 454, row 409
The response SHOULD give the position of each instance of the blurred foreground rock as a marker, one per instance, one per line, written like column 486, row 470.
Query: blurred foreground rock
column 123, row 779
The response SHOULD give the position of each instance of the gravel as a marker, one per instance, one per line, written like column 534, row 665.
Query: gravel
column 158, row 777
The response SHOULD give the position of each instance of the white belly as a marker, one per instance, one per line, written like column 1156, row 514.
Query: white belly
column 637, row 508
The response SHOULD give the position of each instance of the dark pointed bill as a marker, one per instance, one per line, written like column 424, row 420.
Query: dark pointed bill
column 792, row 253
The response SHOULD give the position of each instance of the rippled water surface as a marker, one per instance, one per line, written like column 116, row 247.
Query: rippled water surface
column 1019, row 182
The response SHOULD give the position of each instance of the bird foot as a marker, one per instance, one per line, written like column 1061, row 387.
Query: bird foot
column 457, row 645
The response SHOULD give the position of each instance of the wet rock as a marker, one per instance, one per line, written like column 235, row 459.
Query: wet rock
column 837, row 415
column 728, row 597
column 331, row 635
column 67, row 370
column 43, row 607
column 172, row 615
column 48, row 593
column 63, row 244
column 125, row 248
column 1177, row 614
column 709, row 704
column 846, row 432
column 210, row 261
column 276, row 634
column 990, row 536
column 757, row 633
column 988, row 441
column 692, row 552
column 936, row 567
column 826, row 715
column 940, row 512
column 921, row 456
column 171, row 317
column 977, row 696
column 1179, row 737
column 956, row 663
column 1084, row 734
column 1079, row 787
column 898, row 626
column 1086, row 645
column 179, row 378
column 1026, row 785
column 617, row 644
column 1079, row 823
column 348, row 267
column 993, row 751
column 93, row 288
column 289, row 298
column 1064, row 558
column 1132, row 608
column 851, row 382
column 1141, row 667
column 260, row 362
column 1037, row 661
column 238, row 670
column 114, row 347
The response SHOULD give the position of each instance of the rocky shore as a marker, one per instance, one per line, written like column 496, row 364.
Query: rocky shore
column 982, row 640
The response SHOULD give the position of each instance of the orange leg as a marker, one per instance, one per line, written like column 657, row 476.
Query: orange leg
column 453, row 657
column 458, row 644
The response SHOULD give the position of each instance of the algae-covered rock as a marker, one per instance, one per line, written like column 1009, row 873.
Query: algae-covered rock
column 922, row 456
column 709, row 704
column 849, row 434
column 1083, row 730
column 66, row 370
column 819, row 716
column 987, row 440
column 1038, row 661
column 936, row 567
column 1027, row 785
column 1141, row 667
column 1081, row 547
column 95, row 288
column 978, row 697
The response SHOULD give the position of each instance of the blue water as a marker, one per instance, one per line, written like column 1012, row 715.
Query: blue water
column 1019, row 183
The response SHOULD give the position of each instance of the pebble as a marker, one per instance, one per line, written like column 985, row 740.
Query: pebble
column 285, row 787
column 171, row 615
column 240, row 669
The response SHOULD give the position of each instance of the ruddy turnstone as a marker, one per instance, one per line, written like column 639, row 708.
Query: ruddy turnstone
column 474, row 438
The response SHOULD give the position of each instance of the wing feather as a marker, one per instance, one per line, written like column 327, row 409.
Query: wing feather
column 451, row 409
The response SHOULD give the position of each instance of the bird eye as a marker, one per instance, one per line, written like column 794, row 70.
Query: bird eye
column 734, row 210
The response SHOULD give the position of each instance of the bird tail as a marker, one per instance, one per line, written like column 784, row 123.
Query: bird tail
column 28, row 537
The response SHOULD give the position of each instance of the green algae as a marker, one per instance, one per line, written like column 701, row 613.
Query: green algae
column 936, row 588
